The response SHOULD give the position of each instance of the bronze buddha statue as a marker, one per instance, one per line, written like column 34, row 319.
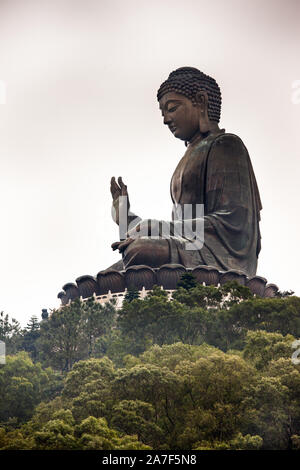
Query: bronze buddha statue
column 215, row 173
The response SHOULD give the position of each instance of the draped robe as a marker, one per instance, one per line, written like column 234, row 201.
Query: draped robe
column 217, row 173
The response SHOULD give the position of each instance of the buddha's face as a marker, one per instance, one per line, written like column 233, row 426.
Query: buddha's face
column 180, row 115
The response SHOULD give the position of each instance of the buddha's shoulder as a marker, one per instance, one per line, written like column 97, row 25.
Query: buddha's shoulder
column 219, row 143
column 228, row 140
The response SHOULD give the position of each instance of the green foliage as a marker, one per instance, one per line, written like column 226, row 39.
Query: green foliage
column 71, row 333
column 262, row 347
column 155, row 320
column 61, row 342
column 30, row 337
column 61, row 433
column 137, row 417
column 96, row 321
column 195, row 315
column 94, row 434
column 210, row 369
column 187, row 281
column 240, row 442
column 280, row 315
column 10, row 333
column 22, row 386
column 131, row 294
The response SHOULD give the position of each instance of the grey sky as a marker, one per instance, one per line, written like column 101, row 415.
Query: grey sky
column 81, row 80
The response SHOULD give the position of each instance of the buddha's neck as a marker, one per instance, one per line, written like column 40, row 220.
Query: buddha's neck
column 196, row 138
column 200, row 136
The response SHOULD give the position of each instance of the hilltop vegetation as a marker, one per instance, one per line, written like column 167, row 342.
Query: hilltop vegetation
column 211, row 369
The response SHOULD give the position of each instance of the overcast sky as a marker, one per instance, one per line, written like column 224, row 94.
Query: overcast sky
column 81, row 79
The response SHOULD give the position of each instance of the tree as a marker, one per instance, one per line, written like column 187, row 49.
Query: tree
column 155, row 385
column 85, row 372
column 30, row 336
column 131, row 294
column 87, row 388
column 210, row 369
column 137, row 417
column 187, row 281
column 61, row 338
column 10, row 332
column 240, row 442
column 61, row 433
column 280, row 315
column 289, row 375
column 155, row 320
column 195, row 315
column 94, row 434
column 215, row 387
column 267, row 412
column 71, row 332
column 199, row 296
column 262, row 347
column 22, row 386
column 97, row 321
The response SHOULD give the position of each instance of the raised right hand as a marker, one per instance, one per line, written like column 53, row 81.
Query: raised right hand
column 117, row 190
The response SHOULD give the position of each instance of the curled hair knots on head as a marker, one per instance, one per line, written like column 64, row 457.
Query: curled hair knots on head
column 188, row 81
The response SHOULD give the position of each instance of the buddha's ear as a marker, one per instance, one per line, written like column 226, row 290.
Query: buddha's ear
column 202, row 103
column 201, row 99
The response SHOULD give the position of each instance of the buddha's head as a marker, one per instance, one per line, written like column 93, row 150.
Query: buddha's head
column 190, row 102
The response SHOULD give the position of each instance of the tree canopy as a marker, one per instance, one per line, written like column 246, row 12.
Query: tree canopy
column 210, row 369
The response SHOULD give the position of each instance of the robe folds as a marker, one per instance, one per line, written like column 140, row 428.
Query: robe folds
column 217, row 173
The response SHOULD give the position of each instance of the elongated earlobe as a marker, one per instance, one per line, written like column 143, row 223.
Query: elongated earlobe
column 202, row 103
column 204, row 124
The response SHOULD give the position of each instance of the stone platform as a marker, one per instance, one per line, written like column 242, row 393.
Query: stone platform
column 114, row 284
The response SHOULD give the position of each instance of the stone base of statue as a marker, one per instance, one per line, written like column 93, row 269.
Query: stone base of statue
column 113, row 283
